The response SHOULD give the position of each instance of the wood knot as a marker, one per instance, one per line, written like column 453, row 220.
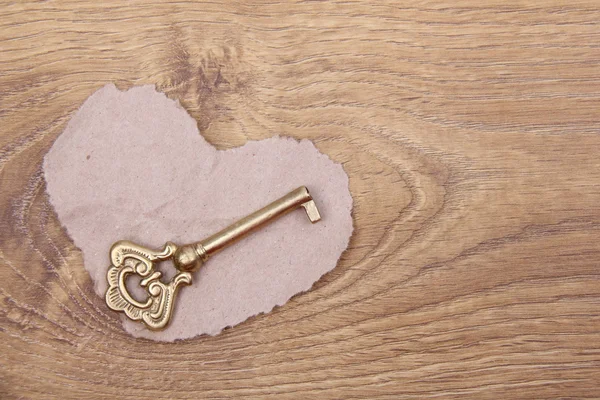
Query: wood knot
column 207, row 78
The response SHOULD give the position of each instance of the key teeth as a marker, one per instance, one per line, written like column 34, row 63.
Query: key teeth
column 312, row 211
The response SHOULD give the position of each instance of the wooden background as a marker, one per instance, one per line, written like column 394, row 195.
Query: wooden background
column 471, row 134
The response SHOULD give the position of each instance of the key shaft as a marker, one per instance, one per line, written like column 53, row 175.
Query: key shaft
column 190, row 257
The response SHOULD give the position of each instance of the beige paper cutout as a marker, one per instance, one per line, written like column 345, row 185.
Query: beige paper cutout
column 132, row 165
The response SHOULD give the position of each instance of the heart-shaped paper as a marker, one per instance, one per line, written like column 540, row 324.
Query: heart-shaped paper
column 132, row 165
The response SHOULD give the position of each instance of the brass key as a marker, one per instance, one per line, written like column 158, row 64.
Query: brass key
column 129, row 258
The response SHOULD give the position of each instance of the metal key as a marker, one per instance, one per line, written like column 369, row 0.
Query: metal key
column 129, row 258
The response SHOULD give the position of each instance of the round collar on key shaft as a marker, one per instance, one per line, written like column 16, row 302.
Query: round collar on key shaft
column 190, row 257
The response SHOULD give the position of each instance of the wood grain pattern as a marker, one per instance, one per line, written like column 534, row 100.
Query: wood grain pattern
column 470, row 132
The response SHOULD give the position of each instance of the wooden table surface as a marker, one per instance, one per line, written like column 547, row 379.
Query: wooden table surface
column 470, row 131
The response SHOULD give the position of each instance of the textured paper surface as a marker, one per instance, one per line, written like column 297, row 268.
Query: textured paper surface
column 132, row 165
